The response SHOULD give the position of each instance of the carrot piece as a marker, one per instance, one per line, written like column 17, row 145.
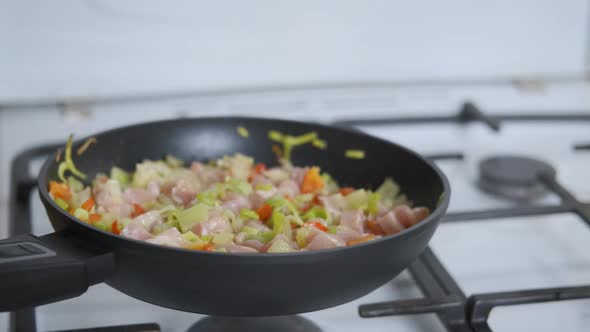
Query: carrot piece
column 60, row 190
column 115, row 227
column 346, row 190
column 200, row 246
column 312, row 181
column 88, row 204
column 374, row 227
column 137, row 210
column 264, row 212
column 258, row 169
column 316, row 200
column 318, row 225
column 93, row 218
column 360, row 240
column 208, row 247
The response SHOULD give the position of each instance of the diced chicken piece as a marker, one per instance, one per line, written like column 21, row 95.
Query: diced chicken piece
column 206, row 174
column 141, row 196
column 149, row 220
column 353, row 219
column 404, row 215
column 240, row 237
column 334, row 204
column 325, row 241
column 254, row 244
column 420, row 213
column 109, row 197
column 214, row 225
column 281, row 237
column 235, row 202
column 81, row 196
column 258, row 225
column 297, row 174
column 347, row 233
column 170, row 237
column 288, row 188
column 408, row 216
column 136, row 231
column 259, row 179
column 276, row 175
column 239, row 166
column 258, row 197
column 389, row 223
column 183, row 192
column 309, row 231
column 150, row 171
column 240, row 249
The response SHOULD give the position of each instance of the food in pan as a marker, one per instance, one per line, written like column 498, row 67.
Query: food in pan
column 234, row 204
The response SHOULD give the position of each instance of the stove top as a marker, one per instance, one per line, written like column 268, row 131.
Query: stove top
column 526, row 257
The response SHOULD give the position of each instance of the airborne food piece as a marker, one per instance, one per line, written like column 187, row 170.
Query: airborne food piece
column 233, row 205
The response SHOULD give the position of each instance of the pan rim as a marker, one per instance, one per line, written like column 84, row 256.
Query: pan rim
column 436, row 215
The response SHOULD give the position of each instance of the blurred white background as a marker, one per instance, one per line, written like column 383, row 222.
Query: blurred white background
column 87, row 48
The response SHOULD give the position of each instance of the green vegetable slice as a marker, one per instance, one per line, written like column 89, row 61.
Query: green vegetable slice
column 373, row 202
column 62, row 204
column 223, row 238
column 301, row 236
column 192, row 216
column 120, row 175
column 357, row 199
column 243, row 132
column 173, row 161
column 239, row 186
column 74, row 184
column 280, row 246
column 354, row 154
column 68, row 163
column 190, row 237
column 81, row 214
column 251, row 231
column 389, row 191
column 248, row 214
column 289, row 142
column 315, row 212
column 264, row 187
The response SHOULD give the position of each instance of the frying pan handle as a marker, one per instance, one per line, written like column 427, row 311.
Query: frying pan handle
column 54, row 267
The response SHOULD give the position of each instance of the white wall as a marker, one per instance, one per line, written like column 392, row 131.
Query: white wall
column 67, row 48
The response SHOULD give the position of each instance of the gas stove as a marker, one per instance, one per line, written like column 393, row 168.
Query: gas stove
column 511, row 255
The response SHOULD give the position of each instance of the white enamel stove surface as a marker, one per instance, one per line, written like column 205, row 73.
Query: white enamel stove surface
column 484, row 256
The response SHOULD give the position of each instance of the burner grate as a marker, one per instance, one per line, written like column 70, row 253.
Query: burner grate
column 443, row 296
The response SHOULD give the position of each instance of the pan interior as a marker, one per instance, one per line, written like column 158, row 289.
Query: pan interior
column 208, row 138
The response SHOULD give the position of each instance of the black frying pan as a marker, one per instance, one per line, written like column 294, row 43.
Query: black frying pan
column 61, row 265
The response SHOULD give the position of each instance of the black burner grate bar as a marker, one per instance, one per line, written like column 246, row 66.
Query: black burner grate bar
column 481, row 305
column 581, row 146
column 445, row 156
column 520, row 211
column 442, row 296
column 471, row 113
column 500, row 118
column 582, row 209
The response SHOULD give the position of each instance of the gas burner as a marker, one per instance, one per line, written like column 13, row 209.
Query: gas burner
column 257, row 324
column 514, row 177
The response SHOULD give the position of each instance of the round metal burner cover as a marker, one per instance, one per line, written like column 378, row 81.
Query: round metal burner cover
column 513, row 170
column 259, row 324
